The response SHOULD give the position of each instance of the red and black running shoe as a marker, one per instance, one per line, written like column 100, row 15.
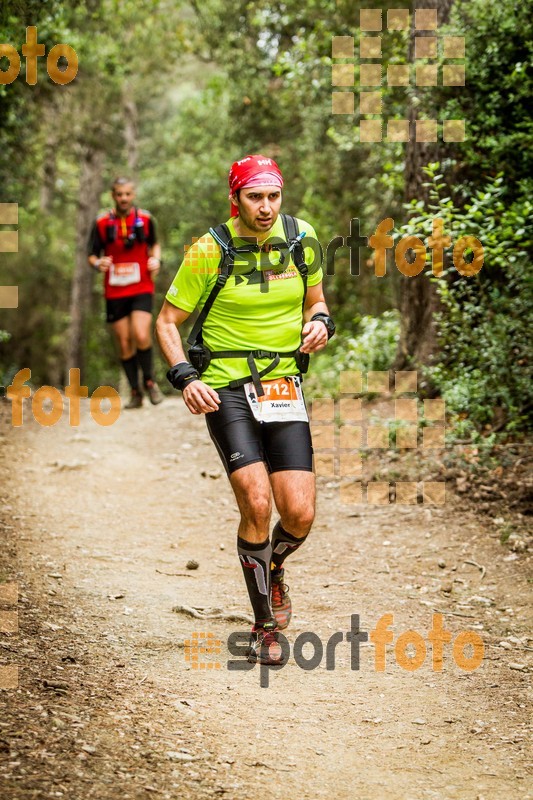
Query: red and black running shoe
column 264, row 645
column 281, row 602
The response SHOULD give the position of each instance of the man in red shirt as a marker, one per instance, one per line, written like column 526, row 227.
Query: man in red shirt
column 131, row 259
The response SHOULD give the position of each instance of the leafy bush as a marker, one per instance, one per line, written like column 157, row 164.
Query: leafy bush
column 372, row 347
column 484, row 368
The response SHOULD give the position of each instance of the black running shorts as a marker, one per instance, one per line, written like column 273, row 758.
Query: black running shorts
column 241, row 440
column 123, row 306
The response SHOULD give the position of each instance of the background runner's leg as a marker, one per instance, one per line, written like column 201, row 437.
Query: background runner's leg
column 122, row 333
column 252, row 491
column 141, row 322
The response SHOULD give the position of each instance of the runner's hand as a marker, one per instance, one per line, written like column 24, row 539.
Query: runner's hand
column 104, row 263
column 153, row 265
column 200, row 398
column 315, row 337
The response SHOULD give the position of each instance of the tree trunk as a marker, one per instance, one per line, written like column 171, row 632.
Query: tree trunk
column 130, row 129
column 90, row 187
column 418, row 298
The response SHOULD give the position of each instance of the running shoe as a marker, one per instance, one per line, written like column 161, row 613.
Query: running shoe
column 264, row 645
column 136, row 400
column 154, row 392
column 280, row 600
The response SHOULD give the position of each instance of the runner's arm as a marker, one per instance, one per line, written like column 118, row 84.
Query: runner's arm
column 198, row 396
column 95, row 247
column 315, row 336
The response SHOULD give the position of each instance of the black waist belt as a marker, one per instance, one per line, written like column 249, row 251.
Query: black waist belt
column 250, row 356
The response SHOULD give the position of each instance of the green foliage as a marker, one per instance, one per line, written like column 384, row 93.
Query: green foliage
column 484, row 365
column 371, row 347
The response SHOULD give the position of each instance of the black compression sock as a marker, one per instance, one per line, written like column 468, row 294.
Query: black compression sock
column 283, row 544
column 145, row 359
column 255, row 563
column 131, row 369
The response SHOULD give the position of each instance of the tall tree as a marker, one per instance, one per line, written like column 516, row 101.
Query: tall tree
column 418, row 298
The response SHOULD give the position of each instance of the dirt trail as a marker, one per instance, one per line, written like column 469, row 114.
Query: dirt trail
column 109, row 707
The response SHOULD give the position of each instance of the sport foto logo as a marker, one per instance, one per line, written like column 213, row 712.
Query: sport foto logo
column 425, row 69
column 410, row 648
column 31, row 52
column 17, row 391
column 410, row 254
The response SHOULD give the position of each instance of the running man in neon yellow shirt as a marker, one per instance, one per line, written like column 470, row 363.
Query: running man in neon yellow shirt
column 262, row 312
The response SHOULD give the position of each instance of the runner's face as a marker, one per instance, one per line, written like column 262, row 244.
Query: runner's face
column 123, row 195
column 258, row 207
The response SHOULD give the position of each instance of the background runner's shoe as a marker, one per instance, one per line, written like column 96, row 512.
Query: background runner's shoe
column 281, row 602
column 154, row 392
column 136, row 400
column 264, row 645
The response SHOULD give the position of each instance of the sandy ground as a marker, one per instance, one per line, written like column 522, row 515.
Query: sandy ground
column 98, row 525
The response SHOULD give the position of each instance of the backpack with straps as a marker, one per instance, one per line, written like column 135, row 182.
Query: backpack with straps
column 199, row 355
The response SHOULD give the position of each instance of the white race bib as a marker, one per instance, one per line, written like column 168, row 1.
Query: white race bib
column 283, row 401
column 124, row 273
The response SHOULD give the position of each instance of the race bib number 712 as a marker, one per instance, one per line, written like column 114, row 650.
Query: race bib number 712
column 283, row 401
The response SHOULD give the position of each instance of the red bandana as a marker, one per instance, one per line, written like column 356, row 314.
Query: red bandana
column 253, row 171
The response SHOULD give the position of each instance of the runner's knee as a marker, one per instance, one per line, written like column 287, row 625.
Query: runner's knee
column 298, row 519
column 143, row 340
column 256, row 511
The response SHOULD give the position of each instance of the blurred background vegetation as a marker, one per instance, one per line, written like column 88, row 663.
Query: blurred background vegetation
column 171, row 93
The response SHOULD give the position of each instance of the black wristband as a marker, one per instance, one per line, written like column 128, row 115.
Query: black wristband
column 328, row 322
column 182, row 374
